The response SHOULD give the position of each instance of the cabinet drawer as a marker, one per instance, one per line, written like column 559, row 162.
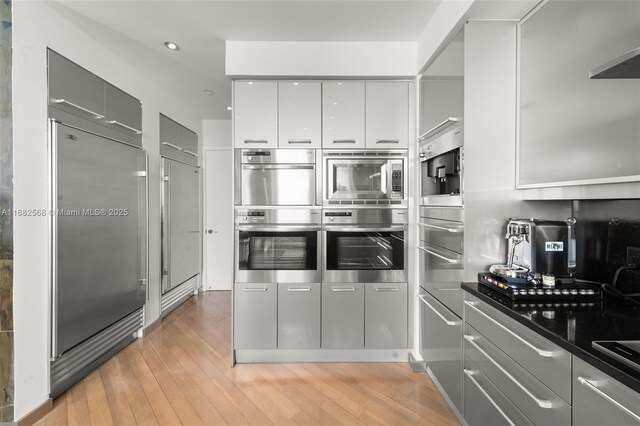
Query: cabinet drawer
column 298, row 316
column 123, row 112
column 343, row 316
column 600, row 400
column 385, row 325
column 255, row 316
column 485, row 404
column 532, row 397
column 442, row 233
column 75, row 89
column 548, row 362
column 299, row 114
column 441, row 345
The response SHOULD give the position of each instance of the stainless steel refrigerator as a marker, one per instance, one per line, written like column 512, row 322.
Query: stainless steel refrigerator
column 99, row 254
column 181, row 238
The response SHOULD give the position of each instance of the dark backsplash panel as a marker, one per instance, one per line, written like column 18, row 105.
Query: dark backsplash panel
column 608, row 237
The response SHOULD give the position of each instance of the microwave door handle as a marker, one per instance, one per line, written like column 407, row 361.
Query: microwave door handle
column 278, row 166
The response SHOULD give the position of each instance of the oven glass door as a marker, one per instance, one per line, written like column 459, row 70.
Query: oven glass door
column 365, row 250
column 359, row 179
column 277, row 251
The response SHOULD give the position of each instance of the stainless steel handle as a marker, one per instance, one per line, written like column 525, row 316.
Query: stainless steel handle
column 254, row 289
column 147, row 219
column 542, row 352
column 299, row 289
column 167, row 267
column 262, row 228
column 438, row 255
column 117, row 123
column 186, row 151
column 449, row 121
column 78, row 107
column 391, row 228
column 470, row 374
column 388, row 141
column 343, row 289
column 447, row 289
column 344, row 141
column 53, row 204
column 593, row 386
column 277, row 167
column 170, row 145
column 248, row 141
column 448, row 322
column 442, row 228
column 542, row 403
column 301, row 141
column 387, row 289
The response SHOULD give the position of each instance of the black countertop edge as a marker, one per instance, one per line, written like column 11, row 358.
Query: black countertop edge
column 616, row 369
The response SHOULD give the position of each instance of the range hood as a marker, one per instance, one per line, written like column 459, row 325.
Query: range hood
column 625, row 66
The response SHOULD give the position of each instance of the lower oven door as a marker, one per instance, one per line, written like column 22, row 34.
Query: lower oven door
column 355, row 254
column 265, row 255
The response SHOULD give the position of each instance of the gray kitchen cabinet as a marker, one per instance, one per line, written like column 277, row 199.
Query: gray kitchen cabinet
column 255, row 316
column 385, row 325
column 441, row 346
column 122, row 111
column 189, row 142
column 343, row 316
column 178, row 142
column 485, row 404
column 599, row 400
column 299, row 316
column 74, row 89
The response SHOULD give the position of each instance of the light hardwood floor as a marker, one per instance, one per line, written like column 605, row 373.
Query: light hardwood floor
column 180, row 374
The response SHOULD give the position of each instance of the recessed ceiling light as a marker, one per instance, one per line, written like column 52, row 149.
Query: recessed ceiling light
column 208, row 92
column 229, row 108
column 171, row 45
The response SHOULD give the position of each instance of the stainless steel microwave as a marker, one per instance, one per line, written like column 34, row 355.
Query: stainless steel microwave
column 365, row 178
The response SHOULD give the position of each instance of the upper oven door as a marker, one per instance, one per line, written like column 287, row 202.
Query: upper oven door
column 269, row 254
column 354, row 254
column 278, row 184
column 362, row 179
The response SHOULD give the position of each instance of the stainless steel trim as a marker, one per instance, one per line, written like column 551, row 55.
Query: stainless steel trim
column 542, row 352
column 470, row 374
column 593, row 386
column 297, row 289
column 174, row 298
column 433, row 253
column 442, row 317
column 78, row 107
column 186, row 151
column 250, row 289
column 276, row 228
column 446, row 123
column 360, row 228
column 388, row 141
column 387, row 289
column 344, row 141
column 147, row 221
column 53, row 223
column 248, row 141
column 300, row 141
column 117, row 123
column 343, row 289
column 442, row 228
column 170, row 145
column 542, row 403
column 277, row 166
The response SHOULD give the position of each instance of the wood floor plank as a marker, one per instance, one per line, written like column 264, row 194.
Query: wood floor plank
column 180, row 373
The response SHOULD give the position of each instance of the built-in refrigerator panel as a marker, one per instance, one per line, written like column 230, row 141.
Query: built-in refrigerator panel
column 181, row 223
column 99, row 259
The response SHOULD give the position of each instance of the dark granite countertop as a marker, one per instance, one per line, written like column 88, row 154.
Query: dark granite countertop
column 574, row 328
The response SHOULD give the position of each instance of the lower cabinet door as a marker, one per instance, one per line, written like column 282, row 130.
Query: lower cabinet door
column 255, row 316
column 298, row 316
column 598, row 399
column 385, row 310
column 485, row 404
column 441, row 346
column 343, row 316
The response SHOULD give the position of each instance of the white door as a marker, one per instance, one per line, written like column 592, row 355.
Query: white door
column 218, row 223
column 343, row 114
column 299, row 114
column 255, row 110
column 387, row 122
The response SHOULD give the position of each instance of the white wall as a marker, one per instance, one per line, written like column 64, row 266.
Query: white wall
column 216, row 134
column 321, row 59
column 36, row 25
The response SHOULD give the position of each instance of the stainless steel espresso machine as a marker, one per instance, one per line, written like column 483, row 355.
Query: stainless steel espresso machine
column 541, row 262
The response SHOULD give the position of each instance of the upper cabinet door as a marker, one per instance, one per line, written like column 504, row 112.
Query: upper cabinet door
column 299, row 114
column 189, row 142
column 122, row 111
column 387, row 115
column 256, row 114
column 75, row 89
column 343, row 114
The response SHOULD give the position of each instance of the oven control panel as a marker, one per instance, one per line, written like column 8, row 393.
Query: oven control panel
column 396, row 181
column 250, row 216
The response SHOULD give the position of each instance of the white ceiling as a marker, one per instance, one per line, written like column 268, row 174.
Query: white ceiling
column 201, row 27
